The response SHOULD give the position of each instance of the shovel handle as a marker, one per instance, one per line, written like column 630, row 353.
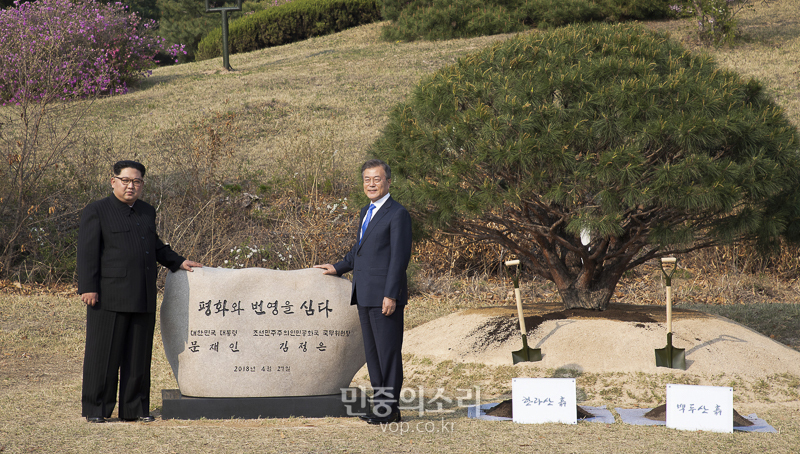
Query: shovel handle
column 518, row 296
column 669, row 308
column 519, row 312
column 672, row 264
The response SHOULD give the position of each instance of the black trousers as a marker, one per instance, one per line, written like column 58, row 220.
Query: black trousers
column 117, row 344
column 383, row 344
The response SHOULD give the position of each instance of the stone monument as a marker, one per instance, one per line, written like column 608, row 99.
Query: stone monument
column 260, row 333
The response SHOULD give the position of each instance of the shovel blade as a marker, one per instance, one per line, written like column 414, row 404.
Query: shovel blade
column 526, row 353
column 669, row 356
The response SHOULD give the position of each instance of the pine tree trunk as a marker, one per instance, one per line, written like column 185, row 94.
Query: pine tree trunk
column 596, row 298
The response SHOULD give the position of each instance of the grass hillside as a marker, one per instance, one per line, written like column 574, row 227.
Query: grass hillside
column 292, row 104
column 333, row 93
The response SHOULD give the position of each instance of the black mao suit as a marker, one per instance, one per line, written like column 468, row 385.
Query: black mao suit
column 379, row 265
column 118, row 252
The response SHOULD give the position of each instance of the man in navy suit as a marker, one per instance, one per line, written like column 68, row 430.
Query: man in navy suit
column 380, row 290
column 118, row 249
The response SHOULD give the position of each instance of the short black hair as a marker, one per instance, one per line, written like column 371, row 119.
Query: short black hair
column 376, row 163
column 120, row 165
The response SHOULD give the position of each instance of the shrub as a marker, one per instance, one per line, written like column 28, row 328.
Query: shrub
column 716, row 19
column 391, row 9
column 61, row 49
column 41, row 186
column 592, row 149
column 636, row 9
column 446, row 19
column 290, row 22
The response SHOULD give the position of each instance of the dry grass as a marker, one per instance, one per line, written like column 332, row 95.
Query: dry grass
column 41, row 346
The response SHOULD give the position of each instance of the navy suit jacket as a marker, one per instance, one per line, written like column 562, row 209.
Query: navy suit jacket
column 118, row 248
column 379, row 263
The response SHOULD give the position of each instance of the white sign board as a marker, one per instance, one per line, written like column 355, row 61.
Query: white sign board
column 708, row 408
column 540, row 400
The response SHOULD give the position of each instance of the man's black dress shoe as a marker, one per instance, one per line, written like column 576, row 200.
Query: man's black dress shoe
column 391, row 417
column 147, row 418
column 95, row 419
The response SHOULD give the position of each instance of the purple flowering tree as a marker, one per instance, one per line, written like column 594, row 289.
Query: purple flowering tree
column 58, row 49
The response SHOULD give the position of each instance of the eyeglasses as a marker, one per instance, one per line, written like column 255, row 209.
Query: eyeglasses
column 137, row 182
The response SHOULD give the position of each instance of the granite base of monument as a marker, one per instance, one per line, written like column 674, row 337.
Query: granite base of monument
column 178, row 406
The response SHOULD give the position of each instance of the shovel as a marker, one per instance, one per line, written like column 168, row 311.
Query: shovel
column 527, row 353
column 669, row 356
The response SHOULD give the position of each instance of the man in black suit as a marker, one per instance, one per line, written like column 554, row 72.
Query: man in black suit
column 117, row 253
column 380, row 290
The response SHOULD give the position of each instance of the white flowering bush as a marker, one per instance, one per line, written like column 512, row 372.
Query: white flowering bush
column 248, row 256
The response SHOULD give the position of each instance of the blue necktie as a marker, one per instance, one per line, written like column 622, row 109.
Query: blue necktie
column 366, row 221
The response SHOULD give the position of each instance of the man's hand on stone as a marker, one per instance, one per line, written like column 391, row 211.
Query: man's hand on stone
column 188, row 265
column 329, row 269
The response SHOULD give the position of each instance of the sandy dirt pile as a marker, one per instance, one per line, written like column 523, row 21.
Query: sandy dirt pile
column 622, row 339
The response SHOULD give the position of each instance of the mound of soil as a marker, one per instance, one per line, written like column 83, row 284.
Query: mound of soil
column 621, row 338
column 504, row 410
column 618, row 312
column 660, row 414
column 498, row 330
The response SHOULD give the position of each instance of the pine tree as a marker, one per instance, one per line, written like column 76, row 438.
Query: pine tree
column 609, row 135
